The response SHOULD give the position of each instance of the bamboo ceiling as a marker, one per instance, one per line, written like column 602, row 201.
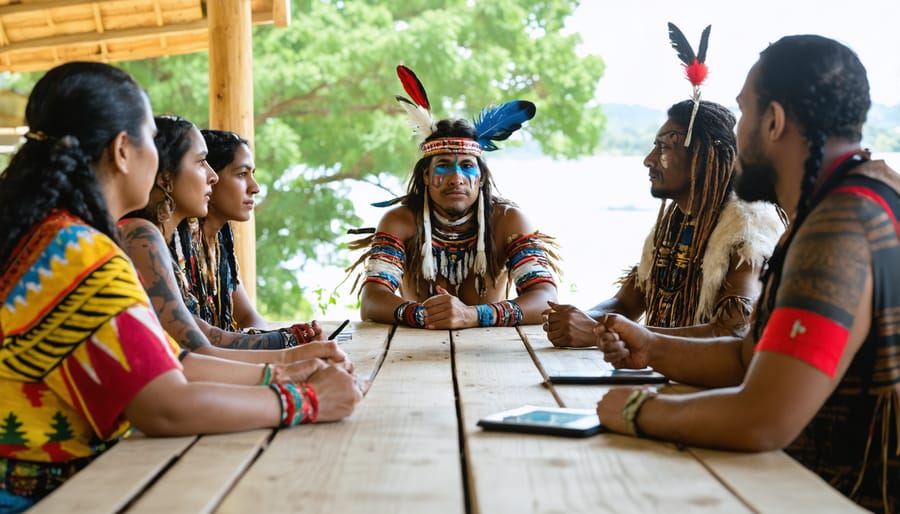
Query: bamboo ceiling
column 36, row 35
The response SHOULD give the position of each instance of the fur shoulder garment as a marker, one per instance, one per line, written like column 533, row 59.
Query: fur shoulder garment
column 748, row 230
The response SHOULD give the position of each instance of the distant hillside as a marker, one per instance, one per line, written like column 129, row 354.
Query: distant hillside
column 630, row 129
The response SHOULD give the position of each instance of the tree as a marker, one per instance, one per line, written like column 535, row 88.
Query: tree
column 325, row 111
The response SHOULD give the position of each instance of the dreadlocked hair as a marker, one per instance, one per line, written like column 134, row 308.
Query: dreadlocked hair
column 416, row 195
column 713, row 151
column 74, row 111
column 822, row 86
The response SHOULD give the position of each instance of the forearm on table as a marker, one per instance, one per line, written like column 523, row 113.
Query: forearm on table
column 703, row 362
column 718, row 418
column 207, row 368
column 204, row 408
column 533, row 302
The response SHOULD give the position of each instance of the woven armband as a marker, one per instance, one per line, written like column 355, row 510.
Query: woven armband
column 410, row 313
column 385, row 263
column 633, row 406
column 500, row 314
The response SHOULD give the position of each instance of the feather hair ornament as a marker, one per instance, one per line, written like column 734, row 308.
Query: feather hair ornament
column 498, row 123
column 418, row 109
column 694, row 66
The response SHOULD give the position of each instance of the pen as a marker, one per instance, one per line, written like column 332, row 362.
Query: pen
column 338, row 330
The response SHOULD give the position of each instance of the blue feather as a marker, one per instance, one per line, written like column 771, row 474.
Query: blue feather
column 498, row 123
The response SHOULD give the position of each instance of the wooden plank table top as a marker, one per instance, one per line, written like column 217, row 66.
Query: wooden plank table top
column 413, row 445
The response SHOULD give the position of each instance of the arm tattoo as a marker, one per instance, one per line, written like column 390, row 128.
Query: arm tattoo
column 151, row 257
column 830, row 259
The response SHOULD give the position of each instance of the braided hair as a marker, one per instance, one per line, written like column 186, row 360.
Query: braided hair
column 73, row 113
column 713, row 151
column 822, row 86
column 416, row 196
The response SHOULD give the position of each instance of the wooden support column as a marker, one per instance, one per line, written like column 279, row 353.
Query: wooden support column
column 231, row 102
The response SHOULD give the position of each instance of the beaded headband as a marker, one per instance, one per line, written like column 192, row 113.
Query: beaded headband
column 451, row 146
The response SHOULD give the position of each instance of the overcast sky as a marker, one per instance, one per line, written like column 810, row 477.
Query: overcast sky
column 641, row 67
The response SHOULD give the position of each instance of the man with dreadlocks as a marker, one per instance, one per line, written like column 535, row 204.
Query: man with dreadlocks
column 699, row 271
column 451, row 247
column 819, row 372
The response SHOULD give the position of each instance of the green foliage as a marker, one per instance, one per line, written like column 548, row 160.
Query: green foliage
column 325, row 111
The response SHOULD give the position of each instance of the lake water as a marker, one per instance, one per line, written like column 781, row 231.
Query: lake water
column 599, row 209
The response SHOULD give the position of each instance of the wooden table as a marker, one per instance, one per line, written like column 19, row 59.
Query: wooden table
column 413, row 446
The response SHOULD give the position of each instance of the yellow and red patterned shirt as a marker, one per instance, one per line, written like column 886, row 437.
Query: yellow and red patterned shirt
column 79, row 341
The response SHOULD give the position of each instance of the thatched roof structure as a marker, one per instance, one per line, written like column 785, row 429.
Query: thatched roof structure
column 39, row 34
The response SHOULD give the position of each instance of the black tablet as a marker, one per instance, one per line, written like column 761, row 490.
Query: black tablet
column 611, row 376
column 545, row 420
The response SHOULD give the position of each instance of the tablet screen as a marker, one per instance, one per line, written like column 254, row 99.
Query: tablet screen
column 544, row 420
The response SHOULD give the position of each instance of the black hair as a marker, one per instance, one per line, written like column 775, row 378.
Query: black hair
column 417, row 191
column 824, row 90
column 73, row 113
column 172, row 143
column 222, row 146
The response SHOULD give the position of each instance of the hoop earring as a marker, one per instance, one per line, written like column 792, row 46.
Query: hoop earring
column 166, row 208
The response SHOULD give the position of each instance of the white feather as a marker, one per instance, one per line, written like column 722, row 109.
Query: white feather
column 420, row 119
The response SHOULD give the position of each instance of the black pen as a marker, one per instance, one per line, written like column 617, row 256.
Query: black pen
column 338, row 330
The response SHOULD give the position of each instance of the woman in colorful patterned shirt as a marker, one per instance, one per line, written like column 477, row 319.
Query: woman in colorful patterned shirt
column 83, row 357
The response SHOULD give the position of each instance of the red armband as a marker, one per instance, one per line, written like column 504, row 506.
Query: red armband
column 807, row 336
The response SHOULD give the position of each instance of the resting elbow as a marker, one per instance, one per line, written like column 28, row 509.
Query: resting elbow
column 160, row 425
column 765, row 434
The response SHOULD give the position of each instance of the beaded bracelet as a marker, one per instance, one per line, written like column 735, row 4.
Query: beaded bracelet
column 299, row 403
column 299, row 331
column 310, row 394
column 633, row 406
column 410, row 313
column 500, row 314
column 267, row 375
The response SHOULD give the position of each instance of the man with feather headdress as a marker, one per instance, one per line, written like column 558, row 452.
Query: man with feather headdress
column 451, row 248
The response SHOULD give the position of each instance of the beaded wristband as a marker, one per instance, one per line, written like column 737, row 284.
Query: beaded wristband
column 633, row 406
column 298, row 331
column 310, row 395
column 500, row 314
column 299, row 403
column 410, row 313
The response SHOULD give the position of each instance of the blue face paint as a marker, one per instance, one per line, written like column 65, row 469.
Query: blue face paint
column 469, row 170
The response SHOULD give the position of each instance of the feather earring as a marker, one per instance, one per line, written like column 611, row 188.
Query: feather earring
column 429, row 268
column 694, row 67
column 418, row 109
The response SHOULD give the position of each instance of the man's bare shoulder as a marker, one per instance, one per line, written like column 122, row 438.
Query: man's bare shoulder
column 400, row 222
column 830, row 257
column 510, row 220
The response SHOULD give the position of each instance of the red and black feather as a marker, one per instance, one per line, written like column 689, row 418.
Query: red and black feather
column 694, row 64
column 413, row 86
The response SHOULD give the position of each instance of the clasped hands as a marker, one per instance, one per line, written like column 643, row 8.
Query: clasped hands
column 623, row 342
column 447, row 311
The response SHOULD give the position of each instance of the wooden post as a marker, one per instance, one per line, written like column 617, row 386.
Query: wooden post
column 231, row 102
